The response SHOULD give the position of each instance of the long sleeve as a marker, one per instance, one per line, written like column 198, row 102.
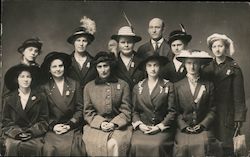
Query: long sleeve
column 135, row 112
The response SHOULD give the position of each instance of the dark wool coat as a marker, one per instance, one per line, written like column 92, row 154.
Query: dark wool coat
column 229, row 97
column 34, row 119
column 192, row 111
column 151, row 110
column 107, row 102
column 169, row 72
column 147, row 50
column 84, row 75
column 63, row 110
column 134, row 75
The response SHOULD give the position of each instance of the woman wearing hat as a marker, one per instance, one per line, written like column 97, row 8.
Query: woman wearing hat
column 29, row 49
column 128, row 60
column 25, row 113
column 229, row 89
column 196, row 110
column 107, row 110
column 82, row 37
column 154, row 112
column 64, row 137
column 178, row 40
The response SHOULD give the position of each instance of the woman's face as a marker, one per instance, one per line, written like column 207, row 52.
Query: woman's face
column 192, row 66
column 30, row 54
column 103, row 69
column 152, row 68
column 218, row 48
column 24, row 79
column 177, row 46
column 80, row 44
column 57, row 68
column 126, row 46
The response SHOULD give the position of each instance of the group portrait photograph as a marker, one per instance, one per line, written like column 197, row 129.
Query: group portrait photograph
column 125, row 78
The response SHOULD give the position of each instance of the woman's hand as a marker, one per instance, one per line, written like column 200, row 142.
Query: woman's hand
column 144, row 127
column 153, row 130
column 106, row 126
column 61, row 128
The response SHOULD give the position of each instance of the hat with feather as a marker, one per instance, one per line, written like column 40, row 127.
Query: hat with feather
column 86, row 29
column 126, row 31
column 179, row 35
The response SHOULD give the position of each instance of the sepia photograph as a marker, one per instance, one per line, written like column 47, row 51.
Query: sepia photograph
column 125, row 78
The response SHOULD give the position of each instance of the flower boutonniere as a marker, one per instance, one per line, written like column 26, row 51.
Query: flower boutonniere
column 132, row 64
column 67, row 93
column 33, row 98
column 88, row 65
column 228, row 72
column 118, row 86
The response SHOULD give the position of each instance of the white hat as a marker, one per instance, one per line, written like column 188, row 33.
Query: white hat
column 127, row 32
column 203, row 56
column 217, row 36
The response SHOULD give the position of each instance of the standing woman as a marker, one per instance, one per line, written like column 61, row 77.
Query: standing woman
column 229, row 89
column 175, row 70
column 82, row 37
column 64, row 137
column 154, row 112
column 196, row 109
column 25, row 113
column 107, row 110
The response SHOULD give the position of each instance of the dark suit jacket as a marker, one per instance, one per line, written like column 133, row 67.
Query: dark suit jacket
column 168, row 72
column 191, row 113
column 134, row 75
column 156, row 108
column 67, row 108
column 84, row 75
column 147, row 49
column 34, row 118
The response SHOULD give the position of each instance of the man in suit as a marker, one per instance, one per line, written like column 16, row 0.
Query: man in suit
column 157, row 44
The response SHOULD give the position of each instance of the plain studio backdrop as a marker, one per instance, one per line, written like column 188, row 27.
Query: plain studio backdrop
column 54, row 21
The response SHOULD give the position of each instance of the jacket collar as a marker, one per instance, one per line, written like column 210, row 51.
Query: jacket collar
column 110, row 79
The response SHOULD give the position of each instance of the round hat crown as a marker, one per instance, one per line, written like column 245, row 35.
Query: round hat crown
column 126, row 30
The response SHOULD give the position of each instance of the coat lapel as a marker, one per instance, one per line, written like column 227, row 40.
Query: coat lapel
column 33, row 99
column 68, row 91
column 135, row 61
column 187, row 92
column 146, row 96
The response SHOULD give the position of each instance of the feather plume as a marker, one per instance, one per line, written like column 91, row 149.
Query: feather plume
column 182, row 28
column 88, row 24
column 126, row 18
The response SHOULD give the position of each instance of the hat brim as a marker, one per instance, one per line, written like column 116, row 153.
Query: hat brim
column 135, row 38
column 73, row 37
column 10, row 78
column 186, row 38
column 161, row 59
column 23, row 47
column 202, row 60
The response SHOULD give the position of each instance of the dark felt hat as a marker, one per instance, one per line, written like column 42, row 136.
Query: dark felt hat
column 32, row 42
column 103, row 56
column 161, row 59
column 10, row 78
column 80, row 31
column 179, row 35
column 45, row 67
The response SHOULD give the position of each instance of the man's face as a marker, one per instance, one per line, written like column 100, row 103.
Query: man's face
column 155, row 29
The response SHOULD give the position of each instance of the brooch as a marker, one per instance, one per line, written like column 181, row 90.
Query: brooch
column 33, row 98
column 88, row 65
column 228, row 72
column 118, row 86
column 161, row 89
column 181, row 69
column 132, row 64
column 67, row 93
column 166, row 90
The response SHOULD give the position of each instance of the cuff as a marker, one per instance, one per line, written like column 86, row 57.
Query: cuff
column 162, row 126
column 136, row 124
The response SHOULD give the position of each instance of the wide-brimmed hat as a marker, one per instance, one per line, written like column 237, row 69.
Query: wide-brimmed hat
column 32, row 42
column 161, row 59
column 217, row 36
column 126, row 31
column 45, row 67
column 86, row 29
column 103, row 56
column 179, row 35
column 203, row 56
column 10, row 78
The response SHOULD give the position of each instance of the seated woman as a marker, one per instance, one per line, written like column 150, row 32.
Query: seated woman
column 25, row 113
column 64, row 137
column 107, row 110
column 154, row 112
column 195, row 109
